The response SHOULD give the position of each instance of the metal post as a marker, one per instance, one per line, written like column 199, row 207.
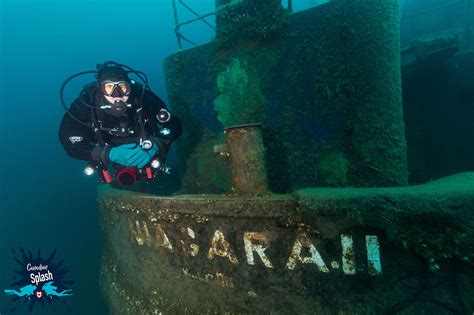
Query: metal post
column 176, row 23
column 245, row 154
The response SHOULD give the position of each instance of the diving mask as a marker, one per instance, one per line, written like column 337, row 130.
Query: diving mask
column 115, row 88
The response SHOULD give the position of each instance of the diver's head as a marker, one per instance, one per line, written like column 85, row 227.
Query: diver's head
column 114, row 85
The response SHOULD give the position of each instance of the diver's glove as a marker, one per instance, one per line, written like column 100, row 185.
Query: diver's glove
column 132, row 155
column 124, row 154
column 144, row 156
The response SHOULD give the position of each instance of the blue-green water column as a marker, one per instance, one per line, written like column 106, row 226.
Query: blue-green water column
column 369, row 33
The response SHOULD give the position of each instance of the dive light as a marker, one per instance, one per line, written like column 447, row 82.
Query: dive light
column 155, row 163
column 89, row 170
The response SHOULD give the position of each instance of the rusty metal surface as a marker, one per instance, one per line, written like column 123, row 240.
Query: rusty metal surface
column 246, row 159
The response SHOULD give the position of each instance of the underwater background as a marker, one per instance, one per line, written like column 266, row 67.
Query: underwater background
column 45, row 200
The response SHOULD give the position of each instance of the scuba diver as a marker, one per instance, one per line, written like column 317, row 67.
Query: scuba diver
column 120, row 127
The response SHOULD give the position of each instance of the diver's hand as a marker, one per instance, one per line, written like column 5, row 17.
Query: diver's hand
column 124, row 154
column 132, row 155
column 144, row 157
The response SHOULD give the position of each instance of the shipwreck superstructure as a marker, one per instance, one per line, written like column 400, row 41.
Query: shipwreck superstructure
column 295, row 194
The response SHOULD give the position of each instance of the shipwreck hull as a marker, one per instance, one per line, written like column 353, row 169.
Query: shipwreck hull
column 316, row 251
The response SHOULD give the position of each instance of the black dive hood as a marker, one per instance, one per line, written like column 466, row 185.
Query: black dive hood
column 109, row 70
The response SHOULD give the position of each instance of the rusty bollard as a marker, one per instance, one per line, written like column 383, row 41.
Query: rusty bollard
column 245, row 153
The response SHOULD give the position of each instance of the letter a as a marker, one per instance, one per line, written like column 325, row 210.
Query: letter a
column 224, row 249
column 315, row 258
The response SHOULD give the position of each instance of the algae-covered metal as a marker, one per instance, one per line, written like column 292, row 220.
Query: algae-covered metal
column 324, row 83
column 318, row 250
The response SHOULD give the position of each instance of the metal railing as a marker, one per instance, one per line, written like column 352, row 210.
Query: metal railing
column 198, row 17
column 179, row 36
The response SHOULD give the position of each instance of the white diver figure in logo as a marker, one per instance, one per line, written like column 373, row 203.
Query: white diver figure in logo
column 50, row 290
column 27, row 290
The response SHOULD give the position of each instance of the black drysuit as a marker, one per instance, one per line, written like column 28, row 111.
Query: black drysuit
column 83, row 143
